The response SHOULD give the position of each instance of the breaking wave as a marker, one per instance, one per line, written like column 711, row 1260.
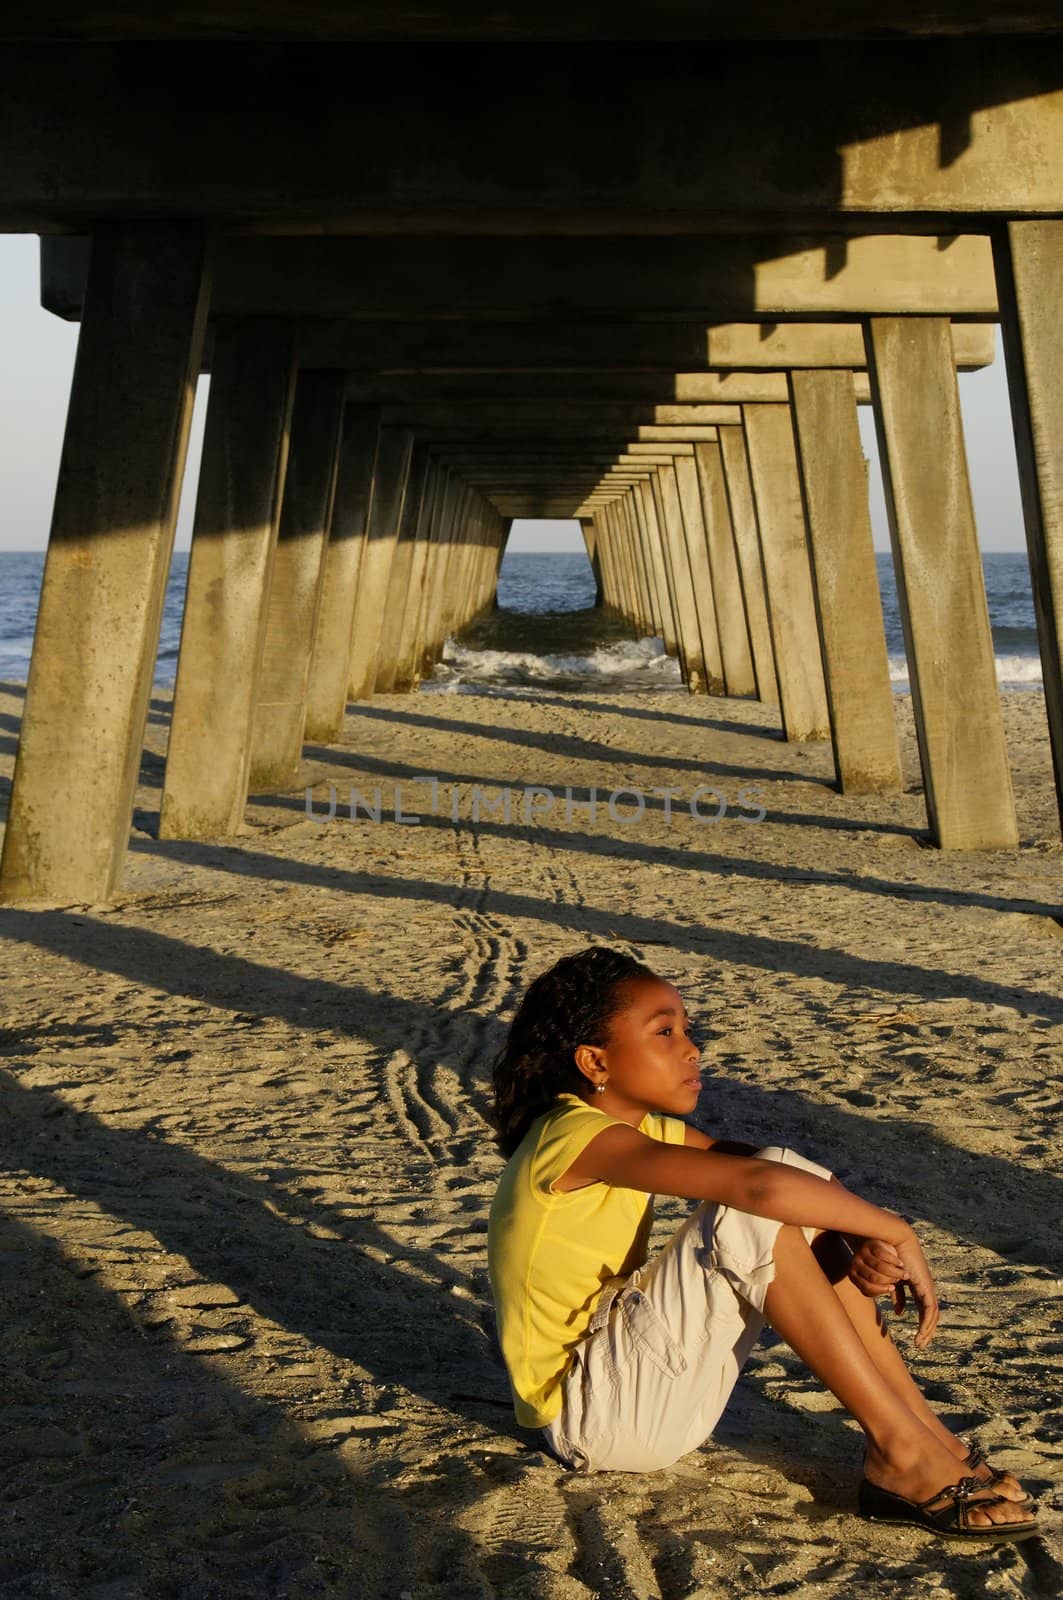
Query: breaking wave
column 638, row 665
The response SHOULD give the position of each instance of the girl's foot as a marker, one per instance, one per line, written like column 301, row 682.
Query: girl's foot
column 918, row 1474
column 1002, row 1482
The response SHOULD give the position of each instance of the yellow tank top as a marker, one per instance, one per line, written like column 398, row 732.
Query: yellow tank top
column 549, row 1252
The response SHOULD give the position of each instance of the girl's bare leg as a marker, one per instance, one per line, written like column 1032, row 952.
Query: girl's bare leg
column 904, row 1455
column 874, row 1336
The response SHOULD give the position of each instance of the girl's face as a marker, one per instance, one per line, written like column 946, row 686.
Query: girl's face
column 650, row 1062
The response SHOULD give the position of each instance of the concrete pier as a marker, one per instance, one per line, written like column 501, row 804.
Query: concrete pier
column 845, row 581
column 569, row 322
column 385, row 514
column 330, row 662
column 1029, row 262
column 97, row 634
column 241, row 484
column 787, row 575
column 735, row 651
column 295, row 585
column 940, row 586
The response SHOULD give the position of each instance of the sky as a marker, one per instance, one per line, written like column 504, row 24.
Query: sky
column 38, row 358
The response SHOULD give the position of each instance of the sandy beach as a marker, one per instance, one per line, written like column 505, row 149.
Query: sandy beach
column 247, row 1337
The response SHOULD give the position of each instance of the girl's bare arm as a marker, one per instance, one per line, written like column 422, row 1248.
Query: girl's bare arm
column 622, row 1156
column 874, row 1266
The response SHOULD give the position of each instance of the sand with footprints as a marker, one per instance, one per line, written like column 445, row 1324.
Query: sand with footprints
column 247, row 1338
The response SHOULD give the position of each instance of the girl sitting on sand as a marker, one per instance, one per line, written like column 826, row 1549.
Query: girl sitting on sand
column 627, row 1364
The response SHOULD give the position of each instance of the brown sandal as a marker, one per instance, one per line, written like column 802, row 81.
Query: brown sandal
column 947, row 1513
column 976, row 1457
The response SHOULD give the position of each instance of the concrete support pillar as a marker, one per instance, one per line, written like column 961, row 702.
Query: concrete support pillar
column 411, row 641
column 589, row 532
column 940, row 585
column 642, row 498
column 623, row 562
column 502, row 527
column 490, row 554
column 650, row 497
column 295, row 586
column 435, row 566
column 241, row 483
column 848, row 604
column 385, row 513
column 330, row 664
column 439, row 557
column 399, row 578
column 97, row 634
column 604, row 554
column 691, row 656
column 638, row 556
column 787, row 574
column 455, row 599
column 701, row 574
column 743, row 512
column 633, row 503
column 735, row 653
column 472, row 595
column 1029, row 267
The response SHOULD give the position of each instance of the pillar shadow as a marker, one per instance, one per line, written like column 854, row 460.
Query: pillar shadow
column 681, row 857
column 997, row 1195
column 226, row 1224
column 141, row 1468
column 748, row 729
column 333, row 755
column 561, row 744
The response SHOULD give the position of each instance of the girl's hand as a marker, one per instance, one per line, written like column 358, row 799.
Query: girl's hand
column 920, row 1281
column 876, row 1269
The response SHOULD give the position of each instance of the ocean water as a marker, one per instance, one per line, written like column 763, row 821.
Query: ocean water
column 546, row 633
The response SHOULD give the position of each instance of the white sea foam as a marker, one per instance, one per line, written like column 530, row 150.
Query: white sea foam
column 1013, row 672
column 637, row 664
column 627, row 664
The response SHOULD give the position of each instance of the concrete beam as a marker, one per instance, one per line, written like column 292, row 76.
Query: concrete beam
column 491, row 387
column 365, row 21
column 924, row 129
column 816, row 277
column 808, row 345
column 552, row 419
column 432, row 348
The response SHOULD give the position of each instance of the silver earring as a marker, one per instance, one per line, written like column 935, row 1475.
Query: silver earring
column 600, row 1088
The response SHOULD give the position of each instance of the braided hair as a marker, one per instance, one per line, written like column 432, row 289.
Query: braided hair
column 570, row 1005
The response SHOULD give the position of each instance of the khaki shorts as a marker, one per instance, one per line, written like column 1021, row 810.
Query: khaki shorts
column 650, row 1378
